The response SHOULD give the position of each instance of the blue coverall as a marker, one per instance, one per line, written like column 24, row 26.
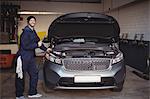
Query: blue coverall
column 28, row 42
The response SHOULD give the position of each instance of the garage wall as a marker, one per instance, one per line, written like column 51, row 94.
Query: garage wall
column 149, row 17
column 43, row 21
column 42, row 24
column 57, row 6
column 118, row 3
column 134, row 19
column 60, row 6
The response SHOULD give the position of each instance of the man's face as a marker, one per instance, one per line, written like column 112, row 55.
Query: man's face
column 32, row 22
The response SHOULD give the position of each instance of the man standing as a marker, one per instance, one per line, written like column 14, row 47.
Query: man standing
column 29, row 41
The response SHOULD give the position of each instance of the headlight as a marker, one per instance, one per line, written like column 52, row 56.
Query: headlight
column 118, row 58
column 53, row 58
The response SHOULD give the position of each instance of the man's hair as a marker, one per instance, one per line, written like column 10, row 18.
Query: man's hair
column 30, row 17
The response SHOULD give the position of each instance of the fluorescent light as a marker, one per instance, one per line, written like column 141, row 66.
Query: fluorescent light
column 41, row 13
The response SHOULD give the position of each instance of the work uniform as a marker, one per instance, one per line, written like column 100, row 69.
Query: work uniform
column 28, row 43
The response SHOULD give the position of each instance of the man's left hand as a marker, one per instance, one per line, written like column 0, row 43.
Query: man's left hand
column 48, row 50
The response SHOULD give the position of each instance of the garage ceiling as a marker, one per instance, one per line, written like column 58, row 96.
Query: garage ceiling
column 76, row 1
column 81, row 1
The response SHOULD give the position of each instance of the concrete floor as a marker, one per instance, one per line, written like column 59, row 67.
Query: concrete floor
column 134, row 88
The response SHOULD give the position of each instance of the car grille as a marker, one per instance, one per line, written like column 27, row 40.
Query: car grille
column 86, row 64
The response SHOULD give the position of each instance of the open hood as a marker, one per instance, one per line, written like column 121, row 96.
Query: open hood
column 84, row 24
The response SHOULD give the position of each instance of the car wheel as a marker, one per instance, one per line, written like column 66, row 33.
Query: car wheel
column 46, row 89
column 118, row 88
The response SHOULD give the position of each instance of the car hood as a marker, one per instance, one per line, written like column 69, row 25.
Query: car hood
column 84, row 24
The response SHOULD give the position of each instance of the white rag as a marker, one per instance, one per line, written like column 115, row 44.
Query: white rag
column 19, row 68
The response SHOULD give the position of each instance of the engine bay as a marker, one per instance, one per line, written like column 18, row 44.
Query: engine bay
column 86, row 50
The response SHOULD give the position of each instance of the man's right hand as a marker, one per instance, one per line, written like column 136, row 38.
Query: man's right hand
column 39, row 43
column 48, row 50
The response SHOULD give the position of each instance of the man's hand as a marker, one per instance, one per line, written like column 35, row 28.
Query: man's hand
column 39, row 43
column 48, row 50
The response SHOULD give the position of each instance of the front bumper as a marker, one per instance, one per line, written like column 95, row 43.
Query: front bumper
column 56, row 77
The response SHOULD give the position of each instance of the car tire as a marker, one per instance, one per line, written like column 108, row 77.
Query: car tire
column 46, row 89
column 118, row 88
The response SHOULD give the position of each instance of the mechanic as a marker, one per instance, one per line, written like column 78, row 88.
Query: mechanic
column 25, row 60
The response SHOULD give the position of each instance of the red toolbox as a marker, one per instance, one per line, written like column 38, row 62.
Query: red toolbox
column 6, row 60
